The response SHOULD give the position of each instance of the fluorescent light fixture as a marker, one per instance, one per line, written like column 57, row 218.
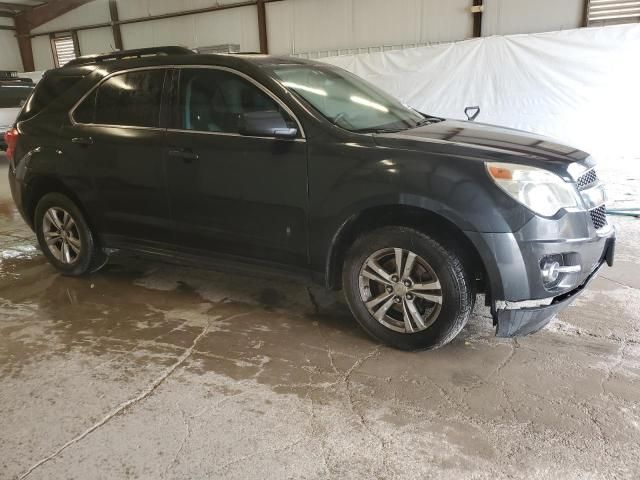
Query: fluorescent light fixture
column 120, row 83
column 368, row 103
column 297, row 86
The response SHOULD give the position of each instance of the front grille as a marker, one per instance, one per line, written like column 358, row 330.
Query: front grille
column 587, row 179
column 598, row 217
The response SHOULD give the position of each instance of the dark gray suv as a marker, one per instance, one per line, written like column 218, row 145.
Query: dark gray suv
column 263, row 163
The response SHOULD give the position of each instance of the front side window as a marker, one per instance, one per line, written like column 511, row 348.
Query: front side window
column 212, row 100
column 345, row 99
column 129, row 99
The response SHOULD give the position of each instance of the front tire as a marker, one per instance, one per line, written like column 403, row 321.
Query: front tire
column 407, row 289
column 65, row 237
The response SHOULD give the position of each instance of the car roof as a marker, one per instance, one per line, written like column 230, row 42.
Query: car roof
column 108, row 64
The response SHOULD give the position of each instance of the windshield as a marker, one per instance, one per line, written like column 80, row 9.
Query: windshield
column 347, row 100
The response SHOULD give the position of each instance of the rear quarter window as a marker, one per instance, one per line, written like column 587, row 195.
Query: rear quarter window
column 50, row 88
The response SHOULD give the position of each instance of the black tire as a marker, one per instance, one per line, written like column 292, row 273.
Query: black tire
column 456, row 287
column 90, row 257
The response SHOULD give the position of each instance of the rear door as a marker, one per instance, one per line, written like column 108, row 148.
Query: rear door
column 117, row 131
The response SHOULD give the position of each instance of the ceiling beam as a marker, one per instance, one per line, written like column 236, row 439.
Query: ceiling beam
column 32, row 18
column 162, row 16
column 41, row 14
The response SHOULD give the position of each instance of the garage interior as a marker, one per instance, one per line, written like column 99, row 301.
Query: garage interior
column 160, row 370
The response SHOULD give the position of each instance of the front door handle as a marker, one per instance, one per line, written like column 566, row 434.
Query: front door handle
column 185, row 153
column 82, row 140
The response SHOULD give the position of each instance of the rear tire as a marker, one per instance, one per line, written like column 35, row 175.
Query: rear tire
column 65, row 237
column 428, row 299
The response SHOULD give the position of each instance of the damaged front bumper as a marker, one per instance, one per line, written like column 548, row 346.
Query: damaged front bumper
column 516, row 319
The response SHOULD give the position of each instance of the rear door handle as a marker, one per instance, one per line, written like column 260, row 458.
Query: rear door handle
column 82, row 140
column 184, row 153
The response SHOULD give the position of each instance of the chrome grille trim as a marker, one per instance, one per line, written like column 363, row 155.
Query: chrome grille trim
column 598, row 217
column 587, row 179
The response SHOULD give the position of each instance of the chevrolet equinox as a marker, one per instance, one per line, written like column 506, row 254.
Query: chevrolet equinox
column 278, row 164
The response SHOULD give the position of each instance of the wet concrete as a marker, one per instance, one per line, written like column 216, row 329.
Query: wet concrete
column 148, row 370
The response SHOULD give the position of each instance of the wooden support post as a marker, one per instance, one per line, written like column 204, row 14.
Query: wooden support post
column 24, row 44
column 115, row 26
column 262, row 26
column 476, row 10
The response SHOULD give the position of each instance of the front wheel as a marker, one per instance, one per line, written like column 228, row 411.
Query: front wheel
column 406, row 289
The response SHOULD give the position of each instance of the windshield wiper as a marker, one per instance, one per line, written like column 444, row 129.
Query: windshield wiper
column 428, row 121
column 379, row 130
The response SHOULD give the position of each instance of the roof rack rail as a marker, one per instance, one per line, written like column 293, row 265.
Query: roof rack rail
column 124, row 54
column 8, row 75
column 11, row 76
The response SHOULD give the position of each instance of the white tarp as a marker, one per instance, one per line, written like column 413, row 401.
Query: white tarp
column 579, row 86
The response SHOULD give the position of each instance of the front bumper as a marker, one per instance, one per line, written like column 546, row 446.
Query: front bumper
column 524, row 321
column 520, row 302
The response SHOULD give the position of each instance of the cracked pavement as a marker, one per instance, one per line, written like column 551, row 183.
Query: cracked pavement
column 156, row 371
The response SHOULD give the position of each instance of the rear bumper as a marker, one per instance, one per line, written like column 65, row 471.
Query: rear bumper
column 515, row 322
column 17, row 192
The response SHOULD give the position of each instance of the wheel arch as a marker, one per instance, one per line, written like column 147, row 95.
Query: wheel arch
column 43, row 185
column 423, row 220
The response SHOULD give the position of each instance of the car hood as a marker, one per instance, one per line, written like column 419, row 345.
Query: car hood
column 486, row 141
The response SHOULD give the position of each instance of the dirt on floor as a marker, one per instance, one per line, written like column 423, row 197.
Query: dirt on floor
column 152, row 371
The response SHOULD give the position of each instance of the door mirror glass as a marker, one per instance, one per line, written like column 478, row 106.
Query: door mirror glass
column 269, row 123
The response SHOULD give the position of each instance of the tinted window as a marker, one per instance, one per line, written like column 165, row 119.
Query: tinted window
column 128, row 99
column 213, row 100
column 48, row 89
column 14, row 95
column 86, row 111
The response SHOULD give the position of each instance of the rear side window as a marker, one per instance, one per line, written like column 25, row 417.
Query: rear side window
column 14, row 95
column 128, row 99
column 48, row 89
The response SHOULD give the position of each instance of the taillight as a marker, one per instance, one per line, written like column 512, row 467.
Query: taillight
column 11, row 139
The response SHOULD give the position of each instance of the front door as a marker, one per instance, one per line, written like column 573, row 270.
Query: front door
column 233, row 191
column 117, row 131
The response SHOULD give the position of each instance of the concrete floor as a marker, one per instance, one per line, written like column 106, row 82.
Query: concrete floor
column 154, row 371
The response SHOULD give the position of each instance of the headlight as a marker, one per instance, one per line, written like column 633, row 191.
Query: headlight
column 539, row 190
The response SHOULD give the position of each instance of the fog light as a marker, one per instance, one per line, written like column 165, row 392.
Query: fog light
column 550, row 272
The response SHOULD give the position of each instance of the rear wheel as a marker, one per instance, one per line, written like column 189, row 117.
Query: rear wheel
column 406, row 289
column 65, row 237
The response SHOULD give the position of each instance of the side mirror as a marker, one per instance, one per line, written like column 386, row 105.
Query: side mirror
column 268, row 123
column 472, row 113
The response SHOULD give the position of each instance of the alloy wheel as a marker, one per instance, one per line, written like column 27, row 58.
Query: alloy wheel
column 61, row 235
column 400, row 290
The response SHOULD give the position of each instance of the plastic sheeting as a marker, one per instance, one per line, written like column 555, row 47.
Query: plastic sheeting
column 579, row 86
